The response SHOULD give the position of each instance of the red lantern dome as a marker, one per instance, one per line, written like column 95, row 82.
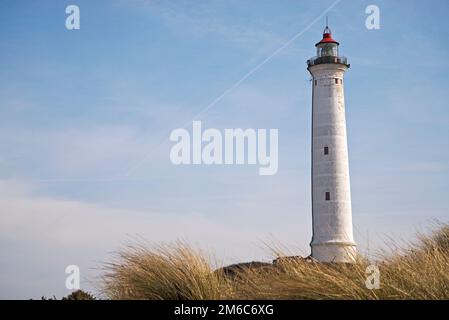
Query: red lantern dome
column 327, row 37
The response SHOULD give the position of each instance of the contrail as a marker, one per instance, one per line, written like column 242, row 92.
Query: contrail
column 238, row 83
column 261, row 64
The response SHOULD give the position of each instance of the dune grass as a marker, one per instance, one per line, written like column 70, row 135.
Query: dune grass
column 172, row 272
column 417, row 270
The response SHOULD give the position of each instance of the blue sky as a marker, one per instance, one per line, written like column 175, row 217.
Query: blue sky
column 85, row 117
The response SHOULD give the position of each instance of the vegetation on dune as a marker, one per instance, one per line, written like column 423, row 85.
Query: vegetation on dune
column 417, row 271
column 75, row 295
column 164, row 272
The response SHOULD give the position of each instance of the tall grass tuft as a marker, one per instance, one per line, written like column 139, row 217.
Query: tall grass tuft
column 417, row 270
column 172, row 272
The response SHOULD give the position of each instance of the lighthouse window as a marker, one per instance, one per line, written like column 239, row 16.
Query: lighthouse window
column 336, row 81
column 326, row 150
column 328, row 196
column 315, row 82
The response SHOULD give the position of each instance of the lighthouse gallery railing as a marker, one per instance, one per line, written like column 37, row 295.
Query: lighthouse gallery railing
column 327, row 59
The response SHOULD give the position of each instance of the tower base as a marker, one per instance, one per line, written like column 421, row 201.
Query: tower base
column 339, row 252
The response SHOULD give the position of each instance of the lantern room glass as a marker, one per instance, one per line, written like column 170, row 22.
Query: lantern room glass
column 327, row 50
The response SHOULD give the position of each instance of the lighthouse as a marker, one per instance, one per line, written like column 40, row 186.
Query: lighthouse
column 332, row 239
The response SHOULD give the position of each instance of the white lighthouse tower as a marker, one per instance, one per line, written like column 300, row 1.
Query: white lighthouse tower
column 332, row 239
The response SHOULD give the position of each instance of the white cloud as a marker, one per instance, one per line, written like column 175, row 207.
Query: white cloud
column 41, row 235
